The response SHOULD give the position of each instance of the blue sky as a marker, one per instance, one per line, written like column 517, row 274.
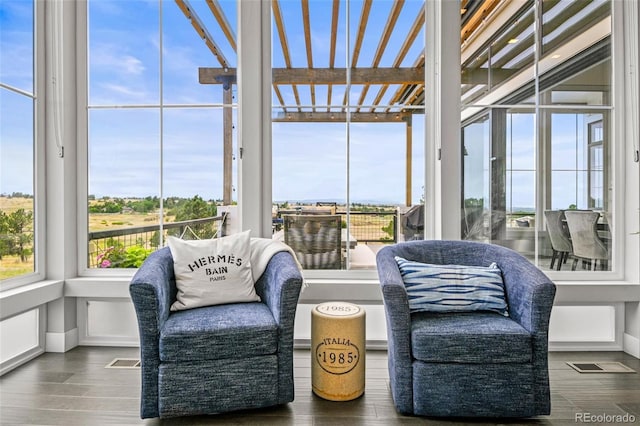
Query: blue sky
column 16, row 110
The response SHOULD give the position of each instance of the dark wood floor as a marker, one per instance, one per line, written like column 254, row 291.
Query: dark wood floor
column 75, row 388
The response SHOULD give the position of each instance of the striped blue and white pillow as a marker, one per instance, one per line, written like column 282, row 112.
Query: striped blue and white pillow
column 453, row 288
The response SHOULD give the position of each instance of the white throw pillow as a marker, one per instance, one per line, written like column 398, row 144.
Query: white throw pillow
column 212, row 272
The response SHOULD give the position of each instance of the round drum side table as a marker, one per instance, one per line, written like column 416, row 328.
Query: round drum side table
column 338, row 350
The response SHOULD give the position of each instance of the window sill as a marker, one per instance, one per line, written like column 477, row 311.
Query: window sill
column 367, row 291
column 364, row 291
column 23, row 298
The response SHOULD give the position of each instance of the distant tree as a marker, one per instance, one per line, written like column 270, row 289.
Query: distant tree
column 20, row 195
column 106, row 206
column 146, row 205
column 5, row 240
column 15, row 227
column 196, row 208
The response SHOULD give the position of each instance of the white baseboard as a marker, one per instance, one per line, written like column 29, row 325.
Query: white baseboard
column 61, row 342
column 17, row 361
column 631, row 345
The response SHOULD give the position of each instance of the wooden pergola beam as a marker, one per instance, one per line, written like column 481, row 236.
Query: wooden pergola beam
column 404, row 49
column 392, row 19
column 200, row 28
column 327, row 75
column 341, row 117
column 362, row 26
column 332, row 52
column 307, row 40
column 282, row 35
column 474, row 22
column 217, row 11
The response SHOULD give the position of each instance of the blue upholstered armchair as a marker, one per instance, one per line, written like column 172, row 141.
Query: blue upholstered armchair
column 468, row 364
column 217, row 358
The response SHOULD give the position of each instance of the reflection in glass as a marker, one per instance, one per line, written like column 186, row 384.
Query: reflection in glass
column 535, row 157
column 565, row 19
column 475, row 77
column 577, row 161
column 476, row 182
column 513, row 49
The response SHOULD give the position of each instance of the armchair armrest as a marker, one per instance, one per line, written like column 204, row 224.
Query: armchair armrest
column 530, row 292
column 398, row 317
column 279, row 288
column 394, row 293
column 152, row 291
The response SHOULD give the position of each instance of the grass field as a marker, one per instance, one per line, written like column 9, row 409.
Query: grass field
column 11, row 204
column 11, row 266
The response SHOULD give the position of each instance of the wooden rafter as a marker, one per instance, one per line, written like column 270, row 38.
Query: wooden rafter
column 196, row 22
column 474, row 21
column 382, row 44
column 307, row 39
column 364, row 18
column 404, row 49
column 277, row 16
column 341, row 117
column 362, row 26
column 217, row 11
column 463, row 6
column 294, row 76
column 410, row 80
column 419, row 63
column 332, row 52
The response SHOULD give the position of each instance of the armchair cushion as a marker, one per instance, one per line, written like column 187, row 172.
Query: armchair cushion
column 239, row 330
column 469, row 337
column 212, row 272
column 452, row 288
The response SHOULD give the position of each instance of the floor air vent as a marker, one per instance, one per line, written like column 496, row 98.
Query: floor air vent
column 600, row 367
column 124, row 363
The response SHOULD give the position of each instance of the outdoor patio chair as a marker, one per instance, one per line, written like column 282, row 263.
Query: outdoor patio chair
column 468, row 363
column 315, row 239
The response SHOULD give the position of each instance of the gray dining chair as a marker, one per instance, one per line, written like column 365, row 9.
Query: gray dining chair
column 559, row 237
column 315, row 239
column 587, row 245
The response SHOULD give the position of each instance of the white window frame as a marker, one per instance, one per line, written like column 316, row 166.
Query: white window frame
column 39, row 186
column 254, row 136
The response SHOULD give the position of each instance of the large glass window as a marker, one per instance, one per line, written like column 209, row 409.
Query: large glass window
column 18, row 100
column 348, row 104
column 161, row 134
column 537, row 134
